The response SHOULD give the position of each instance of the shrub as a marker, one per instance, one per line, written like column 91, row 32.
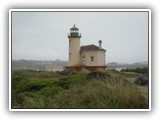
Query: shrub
column 142, row 80
column 49, row 91
column 137, row 70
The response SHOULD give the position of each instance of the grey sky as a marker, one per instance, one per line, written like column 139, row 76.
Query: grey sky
column 43, row 35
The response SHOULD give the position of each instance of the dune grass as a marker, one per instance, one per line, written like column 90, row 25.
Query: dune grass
column 42, row 89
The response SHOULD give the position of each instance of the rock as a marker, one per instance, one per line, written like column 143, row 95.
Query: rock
column 142, row 80
column 68, row 72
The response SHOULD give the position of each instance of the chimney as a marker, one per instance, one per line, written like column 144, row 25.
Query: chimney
column 100, row 44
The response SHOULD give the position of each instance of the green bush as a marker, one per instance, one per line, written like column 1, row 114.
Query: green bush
column 49, row 91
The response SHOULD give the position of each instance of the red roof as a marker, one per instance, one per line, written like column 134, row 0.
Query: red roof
column 91, row 47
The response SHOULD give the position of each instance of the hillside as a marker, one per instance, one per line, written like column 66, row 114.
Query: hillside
column 71, row 89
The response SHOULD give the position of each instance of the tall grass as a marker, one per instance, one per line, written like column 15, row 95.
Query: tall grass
column 100, row 94
column 32, row 89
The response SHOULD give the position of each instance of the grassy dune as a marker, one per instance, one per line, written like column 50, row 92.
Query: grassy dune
column 42, row 89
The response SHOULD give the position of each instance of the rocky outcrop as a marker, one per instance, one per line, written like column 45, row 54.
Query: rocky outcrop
column 142, row 80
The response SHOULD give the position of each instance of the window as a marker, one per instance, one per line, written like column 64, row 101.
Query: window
column 69, row 45
column 69, row 56
column 84, row 57
column 92, row 58
column 84, row 60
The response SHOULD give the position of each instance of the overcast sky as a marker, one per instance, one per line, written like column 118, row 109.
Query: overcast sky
column 43, row 35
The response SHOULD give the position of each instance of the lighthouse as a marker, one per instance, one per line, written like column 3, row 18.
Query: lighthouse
column 90, row 57
column 74, row 47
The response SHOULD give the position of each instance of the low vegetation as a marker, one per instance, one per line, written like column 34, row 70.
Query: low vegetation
column 137, row 70
column 97, row 89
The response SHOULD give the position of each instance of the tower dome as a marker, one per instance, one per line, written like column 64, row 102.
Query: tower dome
column 100, row 41
column 74, row 32
column 74, row 28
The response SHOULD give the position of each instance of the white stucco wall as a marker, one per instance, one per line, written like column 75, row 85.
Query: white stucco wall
column 74, row 51
column 99, row 58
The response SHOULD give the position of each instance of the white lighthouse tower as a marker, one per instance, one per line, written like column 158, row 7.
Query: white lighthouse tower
column 74, row 48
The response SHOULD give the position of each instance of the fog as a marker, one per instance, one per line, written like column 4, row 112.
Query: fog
column 43, row 35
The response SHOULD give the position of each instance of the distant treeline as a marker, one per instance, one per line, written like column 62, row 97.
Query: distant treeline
column 137, row 70
column 35, row 64
column 128, row 66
